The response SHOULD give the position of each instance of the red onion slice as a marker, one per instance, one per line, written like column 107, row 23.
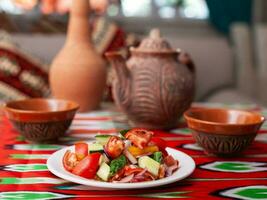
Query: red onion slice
column 133, row 166
column 130, row 157
column 126, row 179
column 171, row 169
column 141, row 173
column 127, row 143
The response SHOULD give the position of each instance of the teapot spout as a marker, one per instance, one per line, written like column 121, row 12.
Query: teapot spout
column 119, row 64
column 121, row 85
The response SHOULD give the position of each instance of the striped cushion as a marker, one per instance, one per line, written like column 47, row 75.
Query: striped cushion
column 21, row 76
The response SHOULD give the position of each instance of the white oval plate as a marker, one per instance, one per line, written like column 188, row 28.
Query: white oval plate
column 186, row 167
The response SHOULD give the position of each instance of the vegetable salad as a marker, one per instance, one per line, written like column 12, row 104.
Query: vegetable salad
column 133, row 156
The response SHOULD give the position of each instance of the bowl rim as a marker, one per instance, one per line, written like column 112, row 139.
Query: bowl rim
column 187, row 117
column 20, row 111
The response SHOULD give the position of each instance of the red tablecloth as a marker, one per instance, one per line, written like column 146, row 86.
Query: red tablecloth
column 24, row 175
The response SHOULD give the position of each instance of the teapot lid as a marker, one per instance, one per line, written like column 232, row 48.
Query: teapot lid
column 154, row 42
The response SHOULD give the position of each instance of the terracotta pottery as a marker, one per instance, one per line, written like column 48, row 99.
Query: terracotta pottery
column 41, row 120
column 223, row 132
column 78, row 72
column 155, row 85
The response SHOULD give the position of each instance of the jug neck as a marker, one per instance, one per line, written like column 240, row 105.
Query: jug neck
column 78, row 27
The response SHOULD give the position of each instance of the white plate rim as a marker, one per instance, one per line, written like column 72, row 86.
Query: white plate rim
column 186, row 167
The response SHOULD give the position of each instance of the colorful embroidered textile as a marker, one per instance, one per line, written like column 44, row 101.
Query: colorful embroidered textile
column 24, row 175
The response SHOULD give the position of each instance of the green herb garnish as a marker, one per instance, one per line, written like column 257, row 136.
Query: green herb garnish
column 117, row 164
column 157, row 156
column 123, row 132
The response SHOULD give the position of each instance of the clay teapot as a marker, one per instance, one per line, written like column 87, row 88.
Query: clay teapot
column 155, row 85
column 78, row 72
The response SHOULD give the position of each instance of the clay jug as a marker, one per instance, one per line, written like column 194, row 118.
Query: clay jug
column 155, row 85
column 78, row 72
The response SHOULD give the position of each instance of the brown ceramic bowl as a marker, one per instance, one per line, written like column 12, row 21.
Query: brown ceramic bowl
column 224, row 132
column 41, row 120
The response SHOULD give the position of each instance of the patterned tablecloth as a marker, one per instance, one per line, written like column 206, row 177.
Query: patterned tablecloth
column 24, row 175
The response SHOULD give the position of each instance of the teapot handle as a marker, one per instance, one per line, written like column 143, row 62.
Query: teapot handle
column 184, row 58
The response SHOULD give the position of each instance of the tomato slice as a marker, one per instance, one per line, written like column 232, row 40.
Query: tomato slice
column 139, row 137
column 161, row 143
column 169, row 161
column 69, row 160
column 81, row 150
column 87, row 167
column 114, row 147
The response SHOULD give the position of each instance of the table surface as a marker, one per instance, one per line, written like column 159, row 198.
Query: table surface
column 24, row 175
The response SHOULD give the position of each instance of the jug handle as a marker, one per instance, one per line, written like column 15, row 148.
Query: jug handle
column 184, row 58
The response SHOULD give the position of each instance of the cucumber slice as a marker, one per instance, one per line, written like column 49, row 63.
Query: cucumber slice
column 102, row 139
column 96, row 147
column 103, row 159
column 103, row 171
column 148, row 163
